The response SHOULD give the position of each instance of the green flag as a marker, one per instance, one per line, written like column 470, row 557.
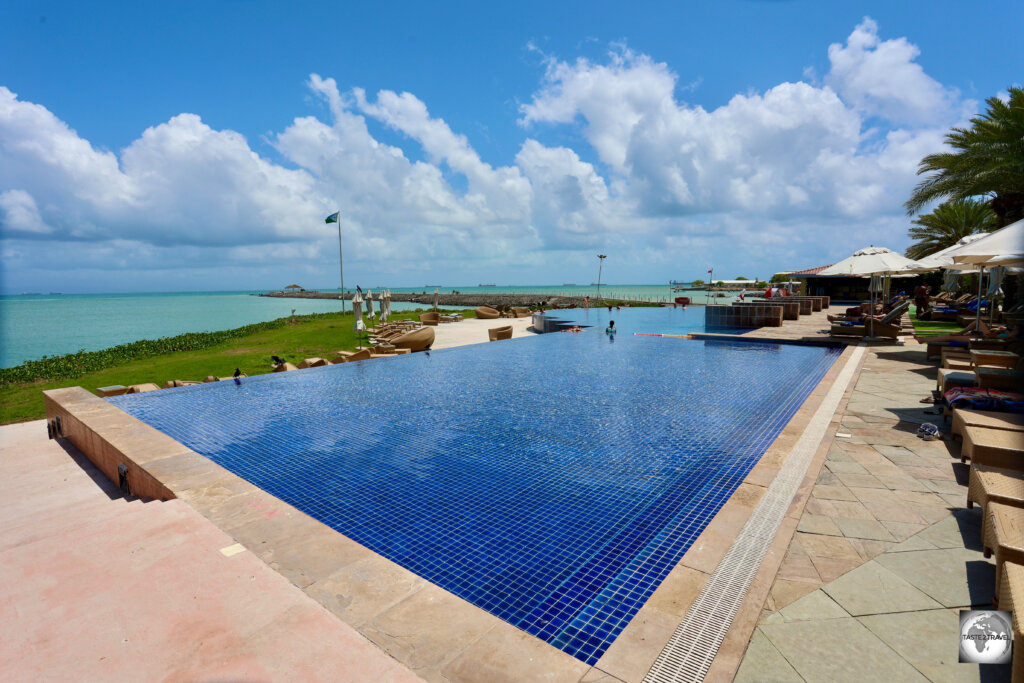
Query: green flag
column 333, row 218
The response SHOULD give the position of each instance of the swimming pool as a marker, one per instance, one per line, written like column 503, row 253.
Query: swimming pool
column 553, row 481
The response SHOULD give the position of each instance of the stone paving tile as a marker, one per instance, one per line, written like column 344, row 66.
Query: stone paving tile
column 834, row 651
column 863, row 528
column 818, row 524
column 815, row 606
column 764, row 663
column 927, row 640
column 873, row 589
column 954, row 577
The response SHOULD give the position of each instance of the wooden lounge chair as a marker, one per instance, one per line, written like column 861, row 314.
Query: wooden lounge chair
column 887, row 326
column 430, row 318
column 417, row 340
column 487, row 313
column 172, row 383
column 995, row 447
column 498, row 333
column 999, row 378
column 963, row 417
column 140, row 388
column 995, row 484
column 1011, row 595
column 313, row 363
column 1002, row 535
column 363, row 354
column 283, row 367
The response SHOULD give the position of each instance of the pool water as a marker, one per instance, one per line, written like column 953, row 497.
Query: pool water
column 553, row 481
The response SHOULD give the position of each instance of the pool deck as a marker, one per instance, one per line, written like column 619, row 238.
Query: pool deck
column 877, row 507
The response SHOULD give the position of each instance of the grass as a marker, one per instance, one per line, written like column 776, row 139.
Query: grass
column 927, row 328
column 298, row 338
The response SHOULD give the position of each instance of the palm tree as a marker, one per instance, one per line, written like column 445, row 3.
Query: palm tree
column 948, row 224
column 987, row 161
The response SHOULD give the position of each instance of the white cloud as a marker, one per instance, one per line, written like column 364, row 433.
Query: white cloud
column 749, row 182
column 881, row 78
column 19, row 213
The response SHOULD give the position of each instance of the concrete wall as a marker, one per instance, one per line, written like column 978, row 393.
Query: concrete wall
column 109, row 437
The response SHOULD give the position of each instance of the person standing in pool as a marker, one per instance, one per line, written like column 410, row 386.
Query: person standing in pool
column 586, row 302
column 611, row 328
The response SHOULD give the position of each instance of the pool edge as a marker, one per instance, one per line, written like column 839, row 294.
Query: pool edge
column 407, row 616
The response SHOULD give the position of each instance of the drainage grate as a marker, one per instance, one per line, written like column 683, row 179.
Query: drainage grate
column 693, row 646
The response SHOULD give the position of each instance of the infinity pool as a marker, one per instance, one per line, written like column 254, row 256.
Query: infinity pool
column 553, row 481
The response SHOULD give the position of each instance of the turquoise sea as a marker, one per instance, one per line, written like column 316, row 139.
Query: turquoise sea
column 37, row 325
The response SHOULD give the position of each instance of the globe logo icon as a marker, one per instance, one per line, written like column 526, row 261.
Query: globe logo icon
column 986, row 637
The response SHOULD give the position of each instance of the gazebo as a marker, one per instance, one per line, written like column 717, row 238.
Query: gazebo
column 294, row 287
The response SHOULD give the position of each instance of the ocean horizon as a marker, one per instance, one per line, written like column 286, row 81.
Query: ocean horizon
column 36, row 325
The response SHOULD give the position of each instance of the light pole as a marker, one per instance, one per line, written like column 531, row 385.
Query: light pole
column 600, row 266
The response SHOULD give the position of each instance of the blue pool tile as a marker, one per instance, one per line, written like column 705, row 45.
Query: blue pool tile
column 553, row 481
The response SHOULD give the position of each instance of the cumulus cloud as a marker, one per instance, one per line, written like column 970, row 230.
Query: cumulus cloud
column 661, row 182
column 879, row 77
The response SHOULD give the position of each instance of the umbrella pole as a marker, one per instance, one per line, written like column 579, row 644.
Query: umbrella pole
column 977, row 317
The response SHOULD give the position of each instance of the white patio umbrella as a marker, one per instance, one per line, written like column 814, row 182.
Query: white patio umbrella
column 871, row 261
column 1004, row 247
column 941, row 259
column 369, row 307
column 357, row 310
column 385, row 305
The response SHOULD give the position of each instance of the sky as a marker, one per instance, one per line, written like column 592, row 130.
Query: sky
column 199, row 146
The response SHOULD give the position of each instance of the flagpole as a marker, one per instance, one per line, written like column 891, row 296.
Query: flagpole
column 341, row 270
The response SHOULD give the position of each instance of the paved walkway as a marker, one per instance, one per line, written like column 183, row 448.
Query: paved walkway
column 94, row 587
column 885, row 553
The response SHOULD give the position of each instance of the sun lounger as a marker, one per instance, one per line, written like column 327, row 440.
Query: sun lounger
column 140, row 388
column 313, row 363
column 363, row 354
column 173, row 383
column 995, row 447
column 948, row 378
column 995, row 484
column 283, row 367
column 430, row 318
column 1002, row 535
column 416, row 340
column 887, row 326
column 487, row 313
column 1011, row 596
column 963, row 417
column 984, row 399
column 1001, row 359
column 498, row 333
column 999, row 378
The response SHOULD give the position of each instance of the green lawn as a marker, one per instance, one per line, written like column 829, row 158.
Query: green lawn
column 308, row 336
column 927, row 328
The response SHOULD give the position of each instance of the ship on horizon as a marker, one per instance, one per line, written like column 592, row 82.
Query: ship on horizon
column 490, row 285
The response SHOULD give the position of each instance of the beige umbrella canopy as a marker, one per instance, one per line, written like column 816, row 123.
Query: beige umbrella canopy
column 1004, row 247
column 870, row 261
column 293, row 287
